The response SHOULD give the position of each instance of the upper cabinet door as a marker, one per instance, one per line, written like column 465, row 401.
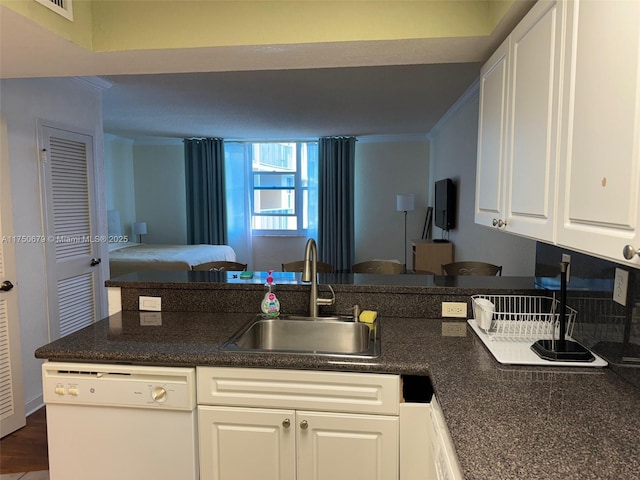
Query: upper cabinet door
column 492, row 124
column 600, row 181
column 533, row 123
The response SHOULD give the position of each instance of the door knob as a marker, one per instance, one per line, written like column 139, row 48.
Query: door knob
column 6, row 286
column 629, row 252
column 95, row 261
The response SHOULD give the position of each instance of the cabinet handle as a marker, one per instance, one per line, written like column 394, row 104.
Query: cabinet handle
column 304, row 425
column 629, row 252
column 286, row 423
column 499, row 223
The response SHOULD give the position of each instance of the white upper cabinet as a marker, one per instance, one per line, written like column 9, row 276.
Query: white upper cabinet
column 600, row 178
column 532, row 145
column 518, row 127
column 492, row 124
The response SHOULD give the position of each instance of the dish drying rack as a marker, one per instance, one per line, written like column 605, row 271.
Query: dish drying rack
column 525, row 317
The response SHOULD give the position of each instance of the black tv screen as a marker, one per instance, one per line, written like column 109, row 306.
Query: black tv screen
column 445, row 204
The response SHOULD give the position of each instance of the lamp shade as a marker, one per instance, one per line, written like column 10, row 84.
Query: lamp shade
column 405, row 202
column 140, row 228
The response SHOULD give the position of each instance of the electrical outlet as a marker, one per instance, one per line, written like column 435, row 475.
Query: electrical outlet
column 454, row 309
column 566, row 258
column 620, row 283
column 150, row 304
column 454, row 329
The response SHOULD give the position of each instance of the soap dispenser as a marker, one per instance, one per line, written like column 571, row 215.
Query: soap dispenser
column 270, row 304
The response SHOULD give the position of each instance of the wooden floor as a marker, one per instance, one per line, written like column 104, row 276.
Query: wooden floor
column 25, row 450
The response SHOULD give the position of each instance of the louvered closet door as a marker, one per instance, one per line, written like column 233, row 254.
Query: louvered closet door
column 12, row 408
column 72, row 246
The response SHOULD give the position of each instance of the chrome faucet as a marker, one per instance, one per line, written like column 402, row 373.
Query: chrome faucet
column 310, row 274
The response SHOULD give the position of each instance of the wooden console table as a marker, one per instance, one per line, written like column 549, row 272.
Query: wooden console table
column 430, row 256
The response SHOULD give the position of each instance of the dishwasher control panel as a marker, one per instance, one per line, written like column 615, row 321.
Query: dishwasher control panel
column 118, row 385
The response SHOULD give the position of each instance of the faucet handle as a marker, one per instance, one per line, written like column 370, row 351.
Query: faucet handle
column 327, row 301
column 356, row 313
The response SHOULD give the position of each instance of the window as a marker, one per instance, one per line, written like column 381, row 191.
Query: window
column 283, row 186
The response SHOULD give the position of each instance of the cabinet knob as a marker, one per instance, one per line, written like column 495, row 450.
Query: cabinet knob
column 304, row 425
column 495, row 222
column 6, row 286
column 286, row 423
column 629, row 252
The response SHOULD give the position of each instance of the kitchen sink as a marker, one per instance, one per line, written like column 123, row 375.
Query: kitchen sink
column 335, row 335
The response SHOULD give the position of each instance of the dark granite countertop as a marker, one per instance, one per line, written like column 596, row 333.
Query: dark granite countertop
column 505, row 422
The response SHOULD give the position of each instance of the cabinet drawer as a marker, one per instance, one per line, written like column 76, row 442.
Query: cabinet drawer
column 299, row 389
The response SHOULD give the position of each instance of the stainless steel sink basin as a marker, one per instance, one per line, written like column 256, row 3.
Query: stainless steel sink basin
column 305, row 335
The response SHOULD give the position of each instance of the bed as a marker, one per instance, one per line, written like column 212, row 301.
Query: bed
column 127, row 258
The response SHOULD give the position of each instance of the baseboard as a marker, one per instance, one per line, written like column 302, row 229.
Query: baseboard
column 33, row 405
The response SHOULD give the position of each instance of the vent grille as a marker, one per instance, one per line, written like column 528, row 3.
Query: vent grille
column 61, row 7
column 70, row 197
column 6, row 383
column 77, row 305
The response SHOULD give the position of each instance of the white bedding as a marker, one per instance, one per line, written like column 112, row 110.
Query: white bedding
column 165, row 257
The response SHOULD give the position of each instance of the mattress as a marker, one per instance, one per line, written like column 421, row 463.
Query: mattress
column 137, row 257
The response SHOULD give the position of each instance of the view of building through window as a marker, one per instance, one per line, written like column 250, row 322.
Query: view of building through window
column 283, row 183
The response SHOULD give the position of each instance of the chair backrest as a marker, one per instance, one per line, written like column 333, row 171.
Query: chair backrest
column 220, row 267
column 471, row 268
column 321, row 267
column 377, row 266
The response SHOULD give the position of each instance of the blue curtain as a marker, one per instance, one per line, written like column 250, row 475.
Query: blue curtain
column 336, row 159
column 206, row 198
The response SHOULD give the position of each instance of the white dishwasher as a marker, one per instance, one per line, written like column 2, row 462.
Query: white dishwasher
column 107, row 422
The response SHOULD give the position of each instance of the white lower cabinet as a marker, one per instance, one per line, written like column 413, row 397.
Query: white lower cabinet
column 269, row 444
column 267, row 424
column 246, row 443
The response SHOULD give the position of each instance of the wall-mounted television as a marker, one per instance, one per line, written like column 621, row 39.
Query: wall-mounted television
column 444, row 208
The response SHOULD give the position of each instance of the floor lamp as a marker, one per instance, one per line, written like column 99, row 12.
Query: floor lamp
column 405, row 203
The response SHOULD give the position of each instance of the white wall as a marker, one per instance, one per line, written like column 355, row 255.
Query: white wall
column 119, row 181
column 453, row 155
column 269, row 253
column 160, row 192
column 384, row 168
column 23, row 101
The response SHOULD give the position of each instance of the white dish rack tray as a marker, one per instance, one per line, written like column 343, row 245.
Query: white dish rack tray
column 526, row 317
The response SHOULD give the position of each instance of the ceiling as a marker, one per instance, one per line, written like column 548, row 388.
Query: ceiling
column 285, row 104
column 284, row 92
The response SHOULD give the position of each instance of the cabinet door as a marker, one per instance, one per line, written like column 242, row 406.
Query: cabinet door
column 600, row 182
column 536, row 48
column 246, row 444
column 347, row 447
column 492, row 124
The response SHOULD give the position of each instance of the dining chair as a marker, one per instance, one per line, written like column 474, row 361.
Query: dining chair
column 220, row 267
column 298, row 266
column 377, row 266
column 471, row 268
